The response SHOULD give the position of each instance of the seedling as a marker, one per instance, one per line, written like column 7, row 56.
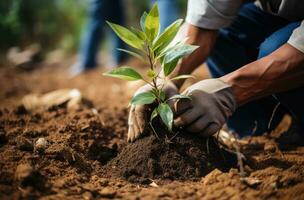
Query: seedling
column 160, row 53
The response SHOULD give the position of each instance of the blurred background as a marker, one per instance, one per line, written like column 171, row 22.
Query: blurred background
column 53, row 30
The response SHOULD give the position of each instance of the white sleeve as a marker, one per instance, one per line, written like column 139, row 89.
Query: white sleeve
column 212, row 14
column 297, row 38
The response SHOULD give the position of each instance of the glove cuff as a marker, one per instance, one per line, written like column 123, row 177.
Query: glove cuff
column 219, row 89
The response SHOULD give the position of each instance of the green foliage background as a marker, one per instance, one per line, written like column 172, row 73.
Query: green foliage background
column 52, row 23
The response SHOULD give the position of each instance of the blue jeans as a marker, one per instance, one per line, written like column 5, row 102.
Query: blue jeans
column 168, row 12
column 99, row 12
column 253, row 35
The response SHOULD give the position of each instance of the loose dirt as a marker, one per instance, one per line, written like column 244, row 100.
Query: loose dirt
column 184, row 157
column 83, row 154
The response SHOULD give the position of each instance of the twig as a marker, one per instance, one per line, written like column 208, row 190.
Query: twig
column 154, row 130
column 239, row 155
column 272, row 115
column 173, row 136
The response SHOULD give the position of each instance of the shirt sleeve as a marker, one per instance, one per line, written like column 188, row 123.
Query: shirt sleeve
column 297, row 38
column 212, row 14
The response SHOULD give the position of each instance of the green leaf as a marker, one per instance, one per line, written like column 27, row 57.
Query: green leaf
column 179, row 52
column 125, row 73
column 161, row 54
column 127, row 36
column 143, row 20
column 137, row 55
column 166, row 114
column 169, row 67
column 162, row 95
column 139, row 33
column 143, row 98
column 179, row 96
column 152, row 23
column 154, row 114
column 184, row 76
column 167, row 36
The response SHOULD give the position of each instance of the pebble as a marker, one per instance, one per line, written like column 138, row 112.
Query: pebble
column 23, row 171
column 87, row 195
column 41, row 144
column 107, row 193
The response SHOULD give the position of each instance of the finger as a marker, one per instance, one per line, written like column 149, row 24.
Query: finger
column 211, row 129
column 141, row 117
column 181, row 106
column 171, row 103
column 187, row 117
column 131, row 124
column 198, row 125
column 170, row 90
column 130, row 133
column 136, row 129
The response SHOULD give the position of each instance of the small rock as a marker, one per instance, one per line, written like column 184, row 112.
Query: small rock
column 41, row 144
column 270, row 147
column 23, row 172
column 87, row 195
column 26, row 175
column 24, row 144
column 107, row 193
column 104, row 182
column 250, row 181
column 153, row 184
column 274, row 185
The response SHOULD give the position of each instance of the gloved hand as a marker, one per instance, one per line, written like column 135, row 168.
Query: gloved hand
column 212, row 102
column 139, row 114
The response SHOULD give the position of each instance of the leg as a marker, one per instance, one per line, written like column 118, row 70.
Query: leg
column 236, row 46
column 117, row 16
column 91, row 40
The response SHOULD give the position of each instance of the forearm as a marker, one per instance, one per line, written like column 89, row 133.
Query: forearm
column 280, row 71
column 203, row 38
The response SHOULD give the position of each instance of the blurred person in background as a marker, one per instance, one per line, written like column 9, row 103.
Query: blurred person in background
column 112, row 10
column 100, row 11
column 168, row 12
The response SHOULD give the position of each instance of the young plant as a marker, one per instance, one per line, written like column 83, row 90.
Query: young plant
column 161, row 54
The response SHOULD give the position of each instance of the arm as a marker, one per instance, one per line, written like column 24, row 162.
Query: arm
column 204, row 18
column 280, row 71
column 213, row 101
column 203, row 38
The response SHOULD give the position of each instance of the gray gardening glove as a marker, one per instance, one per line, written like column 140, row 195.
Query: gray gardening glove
column 212, row 102
column 139, row 114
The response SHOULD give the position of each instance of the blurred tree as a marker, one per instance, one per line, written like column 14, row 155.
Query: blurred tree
column 51, row 24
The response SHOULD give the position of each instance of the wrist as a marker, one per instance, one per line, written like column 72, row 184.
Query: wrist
column 251, row 82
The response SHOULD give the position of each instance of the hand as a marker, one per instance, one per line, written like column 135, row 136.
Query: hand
column 212, row 102
column 139, row 114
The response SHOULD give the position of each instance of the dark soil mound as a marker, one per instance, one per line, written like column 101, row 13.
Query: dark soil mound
column 185, row 157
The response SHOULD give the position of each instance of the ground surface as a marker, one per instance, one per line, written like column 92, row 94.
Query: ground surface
column 80, row 143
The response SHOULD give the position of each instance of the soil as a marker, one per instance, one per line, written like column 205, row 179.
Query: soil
column 83, row 154
column 184, row 157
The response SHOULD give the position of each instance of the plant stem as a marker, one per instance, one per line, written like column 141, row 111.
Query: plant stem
column 151, row 61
